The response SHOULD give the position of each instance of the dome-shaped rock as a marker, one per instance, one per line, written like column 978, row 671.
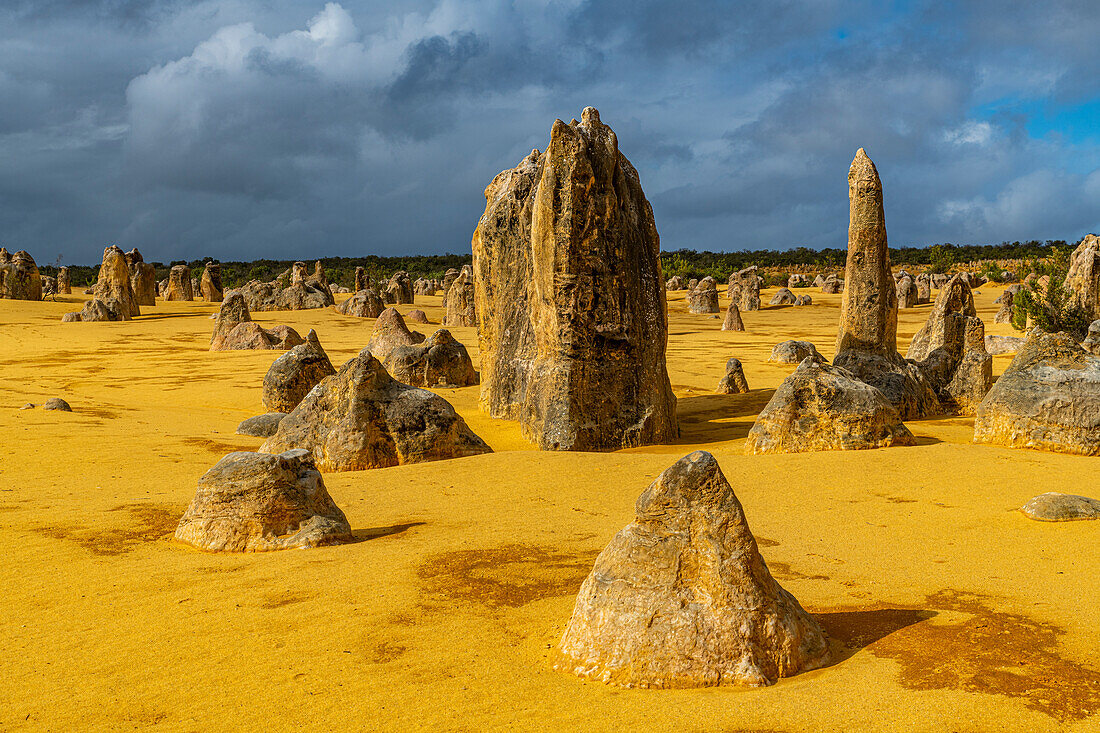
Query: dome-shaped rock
column 294, row 374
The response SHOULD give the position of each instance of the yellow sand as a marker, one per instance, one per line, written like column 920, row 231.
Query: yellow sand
column 948, row 609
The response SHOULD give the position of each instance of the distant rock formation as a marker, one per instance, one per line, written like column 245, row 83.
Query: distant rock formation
column 64, row 282
column 399, row 290
column 783, row 296
column 866, row 343
column 803, row 300
column 1007, row 300
column 832, row 285
column 704, row 298
column 362, row 282
column 461, row 305
column 448, row 278
column 733, row 382
column 1083, row 278
column 822, row 407
column 1047, row 399
column 143, row 278
column 733, row 318
column 114, row 282
column 744, row 287
column 294, row 374
column 179, row 284
column 251, row 502
column 907, row 293
column 366, row 303
column 211, row 283
column 674, row 283
column 924, row 288
column 97, row 310
column 390, row 332
column 19, row 277
column 793, row 352
column 234, row 329
column 950, row 350
column 362, row 418
column 682, row 598
column 570, row 300
column 439, row 361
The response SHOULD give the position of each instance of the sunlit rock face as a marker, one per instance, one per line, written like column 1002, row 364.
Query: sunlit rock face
column 570, row 301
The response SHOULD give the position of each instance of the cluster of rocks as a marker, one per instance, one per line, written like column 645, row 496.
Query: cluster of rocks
column 113, row 298
column 294, row 289
column 19, row 276
column 570, row 303
column 234, row 329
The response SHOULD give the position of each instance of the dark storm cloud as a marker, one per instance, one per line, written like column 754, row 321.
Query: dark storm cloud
column 249, row 128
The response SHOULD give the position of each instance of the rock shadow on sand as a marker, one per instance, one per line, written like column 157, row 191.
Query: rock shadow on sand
column 713, row 418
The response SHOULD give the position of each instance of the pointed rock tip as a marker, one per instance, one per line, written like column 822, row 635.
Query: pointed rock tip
column 589, row 115
column 862, row 167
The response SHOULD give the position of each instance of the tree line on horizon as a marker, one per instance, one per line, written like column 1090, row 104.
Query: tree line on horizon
column 687, row 263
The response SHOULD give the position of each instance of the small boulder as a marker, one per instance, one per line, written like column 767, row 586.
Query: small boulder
column 365, row 303
column 294, row 374
column 704, row 298
column 793, row 352
column 734, row 380
column 362, row 418
column 1055, row 507
column 733, row 318
column 681, row 597
column 56, row 403
column 783, row 296
column 1002, row 344
column 252, row 502
column 234, row 329
column 261, row 426
column 832, row 285
column 416, row 316
column 439, row 361
column 803, row 300
column 822, row 407
column 390, row 332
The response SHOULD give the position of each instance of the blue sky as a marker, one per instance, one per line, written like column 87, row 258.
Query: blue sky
column 241, row 129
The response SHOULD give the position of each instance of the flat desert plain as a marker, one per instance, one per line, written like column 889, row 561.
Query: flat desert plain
column 947, row 609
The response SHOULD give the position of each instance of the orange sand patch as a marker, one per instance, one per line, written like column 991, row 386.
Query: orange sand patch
column 948, row 609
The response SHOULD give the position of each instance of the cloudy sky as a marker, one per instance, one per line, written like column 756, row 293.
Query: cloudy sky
column 241, row 129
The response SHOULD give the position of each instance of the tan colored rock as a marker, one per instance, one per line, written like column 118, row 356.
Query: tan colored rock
column 64, row 282
column 822, row 407
column 399, row 289
column 832, row 285
column 793, row 352
column 866, row 342
column 803, row 300
column 390, row 332
column 234, row 329
column 682, row 598
column 96, row 310
column 179, row 284
column 143, row 278
column 704, row 298
column 733, row 318
column 923, row 284
column 362, row 282
column 294, row 374
column 570, row 300
column 1091, row 343
column 440, row 361
column 1007, row 300
column 733, row 382
column 461, row 305
column 674, row 283
column 416, row 316
column 251, row 502
column 19, row 277
column 114, row 282
column 744, row 287
column 362, row 418
column 1083, row 279
column 783, row 296
column 363, row 304
column 448, row 278
column 1047, row 399
column 907, row 293
column 261, row 426
column 1002, row 344
column 211, row 283
column 1055, row 507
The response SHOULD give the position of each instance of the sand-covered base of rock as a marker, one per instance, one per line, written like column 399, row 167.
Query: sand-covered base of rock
column 947, row 607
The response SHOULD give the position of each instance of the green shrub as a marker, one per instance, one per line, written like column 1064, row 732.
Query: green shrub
column 1050, row 307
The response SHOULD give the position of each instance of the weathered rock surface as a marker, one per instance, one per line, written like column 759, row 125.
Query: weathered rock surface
column 1007, row 299
column 950, row 349
column 803, row 300
column 97, row 310
column 1055, row 507
column 448, row 277
column 362, row 282
column 866, row 343
column 64, row 282
column 1083, row 279
column 1047, row 399
column 440, row 361
column 822, row 407
column 294, row 374
column 461, row 305
column 143, row 278
column 682, row 598
column 1091, row 343
column 49, row 286
column 733, row 318
column 570, row 299
column 704, row 298
column 793, row 352
column 783, row 296
column 416, row 316
column 399, row 290
column 19, row 277
column 733, row 382
column 390, row 332
column 251, row 502
column 211, row 283
column 114, row 282
column 362, row 418
column 924, row 288
column 261, row 426
column 1003, row 344
column 819, row 281
column 56, row 403
column 234, row 329
column 674, row 283
column 363, row 304
column 832, row 285
column 907, row 293
column 744, row 287
column 423, row 286
column 179, row 284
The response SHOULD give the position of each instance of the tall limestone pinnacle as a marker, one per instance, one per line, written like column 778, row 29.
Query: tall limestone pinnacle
column 570, row 300
column 869, row 308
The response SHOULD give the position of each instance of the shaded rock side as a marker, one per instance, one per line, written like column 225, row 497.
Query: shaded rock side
column 793, row 352
column 399, row 289
column 733, row 381
column 440, row 361
column 365, row 303
column 294, row 374
column 1055, row 507
column 179, row 284
column 704, row 298
column 1047, row 399
column 681, row 597
column 251, row 502
column 261, row 426
column 114, row 282
column 19, row 277
column 64, row 282
column 733, row 320
column 143, row 278
column 570, row 298
column 97, row 310
column 1083, row 278
column 234, row 329
column 390, row 332
column 211, row 283
column 362, row 418
column 461, row 303
column 362, row 282
column 783, row 296
column 822, row 407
